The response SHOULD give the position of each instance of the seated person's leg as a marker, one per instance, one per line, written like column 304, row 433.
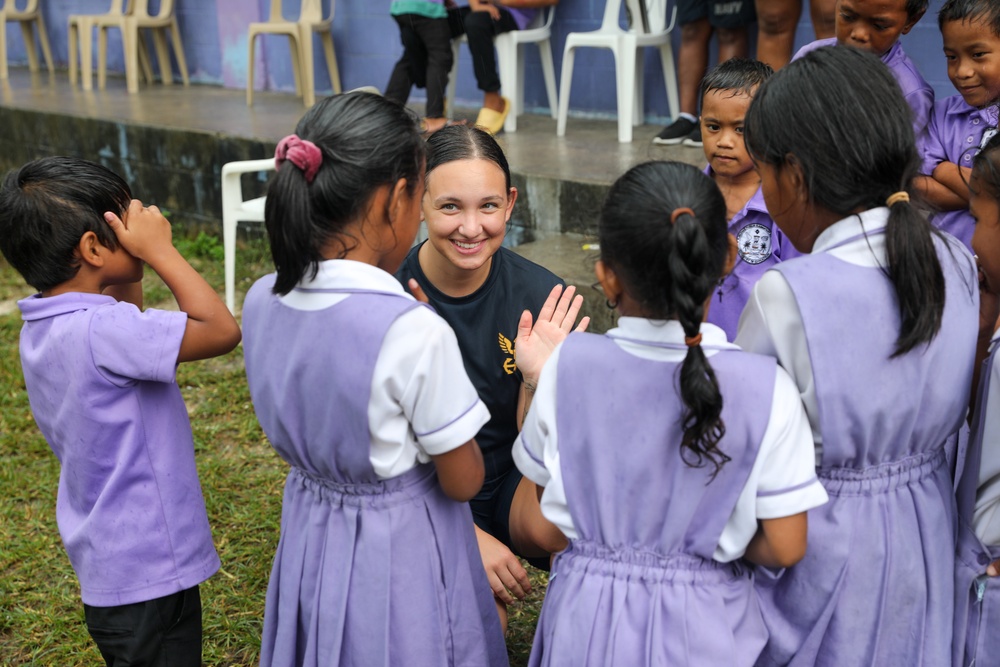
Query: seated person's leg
column 480, row 29
column 692, row 61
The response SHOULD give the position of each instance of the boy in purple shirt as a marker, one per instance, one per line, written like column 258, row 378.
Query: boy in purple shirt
column 726, row 92
column 100, row 375
column 876, row 27
column 961, row 124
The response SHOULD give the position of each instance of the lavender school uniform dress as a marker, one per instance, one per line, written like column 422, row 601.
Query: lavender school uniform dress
column 977, row 596
column 876, row 584
column 368, row 571
column 639, row 585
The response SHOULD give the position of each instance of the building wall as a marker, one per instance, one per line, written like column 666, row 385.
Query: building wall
column 367, row 45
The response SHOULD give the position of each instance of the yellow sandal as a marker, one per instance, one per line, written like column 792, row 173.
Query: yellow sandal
column 492, row 121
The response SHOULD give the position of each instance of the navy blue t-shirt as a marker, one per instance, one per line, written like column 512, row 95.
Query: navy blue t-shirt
column 485, row 323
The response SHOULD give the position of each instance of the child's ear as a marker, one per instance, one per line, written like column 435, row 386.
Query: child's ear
column 397, row 196
column 90, row 250
column 796, row 177
column 731, row 256
column 609, row 281
column 913, row 20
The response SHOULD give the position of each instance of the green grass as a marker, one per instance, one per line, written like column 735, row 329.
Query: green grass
column 41, row 616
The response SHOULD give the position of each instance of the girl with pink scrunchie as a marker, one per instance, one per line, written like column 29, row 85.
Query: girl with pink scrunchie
column 362, row 391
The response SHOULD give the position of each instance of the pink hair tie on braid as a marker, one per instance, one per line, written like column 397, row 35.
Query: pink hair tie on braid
column 303, row 153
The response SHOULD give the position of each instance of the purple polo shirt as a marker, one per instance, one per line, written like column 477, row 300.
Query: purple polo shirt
column 100, row 376
column 954, row 135
column 760, row 245
column 917, row 92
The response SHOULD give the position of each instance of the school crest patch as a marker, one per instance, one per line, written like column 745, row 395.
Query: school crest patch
column 754, row 243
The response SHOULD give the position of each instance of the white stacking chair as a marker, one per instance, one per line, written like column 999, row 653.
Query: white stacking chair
column 81, row 28
column 300, row 42
column 649, row 28
column 510, row 62
column 130, row 24
column 235, row 209
column 25, row 17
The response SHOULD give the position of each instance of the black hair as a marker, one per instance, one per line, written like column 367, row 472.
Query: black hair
column 916, row 7
column 986, row 167
column 669, row 270
column 367, row 142
column 739, row 75
column 465, row 142
column 839, row 116
column 987, row 11
column 46, row 206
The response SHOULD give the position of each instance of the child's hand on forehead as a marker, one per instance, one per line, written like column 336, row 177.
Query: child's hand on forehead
column 142, row 230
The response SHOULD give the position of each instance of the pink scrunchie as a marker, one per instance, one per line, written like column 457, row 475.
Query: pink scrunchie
column 303, row 153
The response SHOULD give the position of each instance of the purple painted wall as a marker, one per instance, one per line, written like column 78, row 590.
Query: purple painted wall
column 367, row 44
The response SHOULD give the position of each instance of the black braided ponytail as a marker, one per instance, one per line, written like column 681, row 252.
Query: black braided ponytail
column 669, row 260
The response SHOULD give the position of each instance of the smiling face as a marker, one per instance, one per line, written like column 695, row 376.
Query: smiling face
column 722, row 113
column 872, row 25
column 973, row 55
column 986, row 238
column 466, row 207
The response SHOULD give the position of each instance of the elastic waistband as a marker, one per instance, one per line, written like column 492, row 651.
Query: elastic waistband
column 884, row 477
column 386, row 493
column 625, row 562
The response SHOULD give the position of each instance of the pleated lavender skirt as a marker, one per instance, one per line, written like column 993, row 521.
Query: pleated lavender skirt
column 876, row 586
column 378, row 575
column 614, row 608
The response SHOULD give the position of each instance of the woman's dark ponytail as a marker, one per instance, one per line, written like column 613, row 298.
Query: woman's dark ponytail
column 663, row 232
column 365, row 142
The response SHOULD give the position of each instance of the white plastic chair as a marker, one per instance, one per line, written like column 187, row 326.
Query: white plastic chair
column 130, row 24
column 649, row 29
column 81, row 28
column 300, row 42
column 236, row 209
column 25, row 17
column 510, row 62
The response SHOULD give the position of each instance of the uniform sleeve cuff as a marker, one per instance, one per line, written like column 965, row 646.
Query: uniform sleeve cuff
column 791, row 500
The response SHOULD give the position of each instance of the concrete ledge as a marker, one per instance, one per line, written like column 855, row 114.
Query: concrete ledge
column 567, row 257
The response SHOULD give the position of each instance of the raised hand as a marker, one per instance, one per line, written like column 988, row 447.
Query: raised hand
column 535, row 341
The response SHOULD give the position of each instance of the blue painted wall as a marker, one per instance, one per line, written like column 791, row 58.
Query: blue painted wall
column 367, row 44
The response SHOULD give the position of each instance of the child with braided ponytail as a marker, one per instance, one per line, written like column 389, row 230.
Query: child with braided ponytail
column 877, row 326
column 666, row 453
column 361, row 389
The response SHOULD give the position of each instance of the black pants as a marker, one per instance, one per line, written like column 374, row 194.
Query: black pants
column 480, row 28
column 426, row 61
column 165, row 632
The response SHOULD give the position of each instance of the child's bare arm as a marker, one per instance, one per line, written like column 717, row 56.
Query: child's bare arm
column 938, row 194
column 779, row 542
column 535, row 341
column 211, row 329
column 461, row 471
